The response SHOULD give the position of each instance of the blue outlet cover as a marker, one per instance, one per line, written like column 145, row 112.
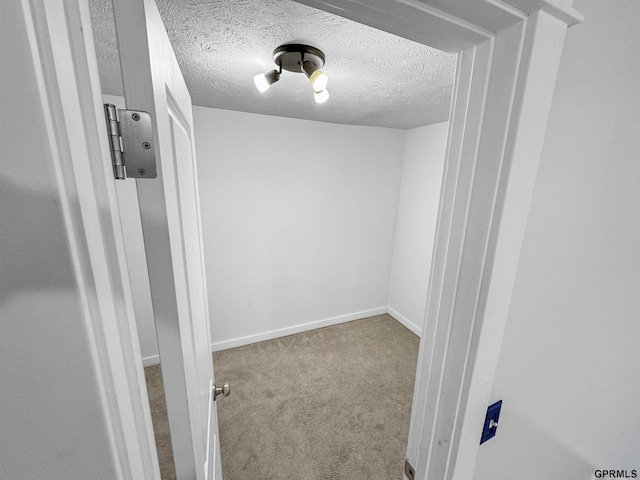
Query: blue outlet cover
column 491, row 422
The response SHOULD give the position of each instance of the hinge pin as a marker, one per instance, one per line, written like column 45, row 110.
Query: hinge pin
column 113, row 126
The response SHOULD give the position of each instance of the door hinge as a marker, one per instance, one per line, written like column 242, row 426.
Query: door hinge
column 408, row 470
column 131, row 143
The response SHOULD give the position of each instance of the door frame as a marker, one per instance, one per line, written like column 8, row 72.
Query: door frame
column 508, row 58
column 63, row 52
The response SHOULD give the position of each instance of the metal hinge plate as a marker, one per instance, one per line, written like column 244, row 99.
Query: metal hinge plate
column 409, row 471
column 131, row 141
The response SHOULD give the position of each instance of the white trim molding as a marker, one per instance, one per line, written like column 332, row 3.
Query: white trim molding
column 303, row 327
column 151, row 360
column 408, row 324
column 63, row 56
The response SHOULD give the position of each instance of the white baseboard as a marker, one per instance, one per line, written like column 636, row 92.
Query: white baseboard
column 283, row 332
column 151, row 360
column 405, row 321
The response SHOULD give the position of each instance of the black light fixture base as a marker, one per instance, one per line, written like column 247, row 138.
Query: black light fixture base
column 291, row 55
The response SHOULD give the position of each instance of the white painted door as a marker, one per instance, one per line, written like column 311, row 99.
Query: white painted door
column 170, row 213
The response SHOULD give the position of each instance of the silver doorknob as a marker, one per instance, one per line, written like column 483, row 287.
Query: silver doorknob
column 224, row 390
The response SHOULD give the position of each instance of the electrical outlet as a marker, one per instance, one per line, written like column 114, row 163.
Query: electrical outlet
column 491, row 422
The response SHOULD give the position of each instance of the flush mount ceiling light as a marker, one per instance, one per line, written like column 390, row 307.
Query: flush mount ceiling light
column 297, row 58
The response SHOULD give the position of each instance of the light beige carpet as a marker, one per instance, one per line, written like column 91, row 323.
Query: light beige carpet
column 328, row 404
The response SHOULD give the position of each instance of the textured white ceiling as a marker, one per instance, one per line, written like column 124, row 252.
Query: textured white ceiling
column 376, row 78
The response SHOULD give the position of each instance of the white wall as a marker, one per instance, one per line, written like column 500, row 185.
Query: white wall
column 422, row 166
column 298, row 221
column 416, row 155
column 569, row 372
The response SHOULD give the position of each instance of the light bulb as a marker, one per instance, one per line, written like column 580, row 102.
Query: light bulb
column 264, row 80
column 321, row 96
column 317, row 77
column 261, row 82
column 319, row 80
